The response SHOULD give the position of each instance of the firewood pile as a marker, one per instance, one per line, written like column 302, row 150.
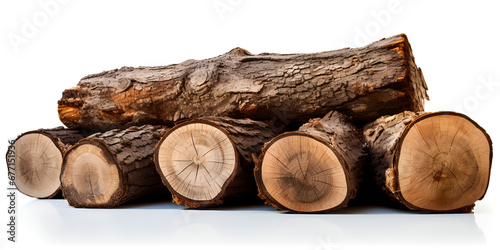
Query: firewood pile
column 304, row 132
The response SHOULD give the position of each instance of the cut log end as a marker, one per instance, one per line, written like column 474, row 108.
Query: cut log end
column 91, row 177
column 38, row 165
column 300, row 173
column 443, row 162
column 196, row 161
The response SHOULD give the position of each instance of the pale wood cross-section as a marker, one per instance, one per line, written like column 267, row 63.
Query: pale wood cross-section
column 92, row 175
column 432, row 161
column 200, row 158
column 304, row 174
column 315, row 169
column 111, row 168
column 38, row 160
column 443, row 163
column 209, row 161
column 38, row 165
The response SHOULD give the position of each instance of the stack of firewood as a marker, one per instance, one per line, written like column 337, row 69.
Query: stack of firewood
column 301, row 131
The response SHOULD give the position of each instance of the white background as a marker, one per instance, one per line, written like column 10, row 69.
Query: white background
column 46, row 50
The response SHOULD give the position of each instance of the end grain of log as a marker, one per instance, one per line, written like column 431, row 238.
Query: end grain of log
column 111, row 168
column 209, row 161
column 316, row 169
column 38, row 159
column 430, row 161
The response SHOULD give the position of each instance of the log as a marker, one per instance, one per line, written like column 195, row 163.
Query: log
column 363, row 83
column 38, row 157
column 315, row 169
column 111, row 168
column 209, row 161
column 437, row 161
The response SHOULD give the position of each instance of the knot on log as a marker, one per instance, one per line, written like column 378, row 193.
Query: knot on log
column 239, row 52
column 123, row 84
column 199, row 82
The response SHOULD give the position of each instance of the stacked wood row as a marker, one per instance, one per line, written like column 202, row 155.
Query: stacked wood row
column 301, row 131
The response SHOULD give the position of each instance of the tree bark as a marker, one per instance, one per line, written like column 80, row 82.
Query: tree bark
column 316, row 169
column 430, row 161
column 209, row 161
column 111, row 168
column 363, row 83
column 38, row 158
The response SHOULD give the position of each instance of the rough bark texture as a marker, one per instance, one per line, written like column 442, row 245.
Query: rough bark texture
column 384, row 137
column 62, row 138
column 363, row 83
column 338, row 132
column 132, row 151
column 248, row 137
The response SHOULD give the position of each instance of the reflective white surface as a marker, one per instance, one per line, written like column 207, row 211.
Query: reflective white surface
column 53, row 222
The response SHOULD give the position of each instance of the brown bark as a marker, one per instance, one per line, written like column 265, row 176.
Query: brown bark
column 63, row 138
column 342, row 140
column 452, row 150
column 38, row 157
column 111, row 168
column 363, row 83
column 246, row 139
